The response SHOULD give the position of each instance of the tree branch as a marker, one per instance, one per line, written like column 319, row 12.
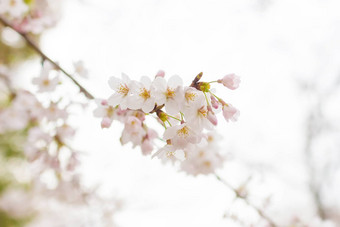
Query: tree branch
column 245, row 199
column 35, row 47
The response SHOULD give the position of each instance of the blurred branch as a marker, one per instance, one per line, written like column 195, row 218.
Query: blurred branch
column 35, row 47
column 245, row 199
column 312, row 130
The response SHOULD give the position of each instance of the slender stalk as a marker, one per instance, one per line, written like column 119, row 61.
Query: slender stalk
column 173, row 117
column 35, row 47
column 169, row 123
column 311, row 134
column 245, row 199
column 206, row 98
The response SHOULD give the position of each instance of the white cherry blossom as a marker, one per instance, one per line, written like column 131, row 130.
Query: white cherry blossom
column 44, row 82
column 80, row 69
column 123, row 91
column 197, row 115
column 15, row 8
column 106, row 112
column 181, row 135
column 143, row 95
column 169, row 153
column 169, row 93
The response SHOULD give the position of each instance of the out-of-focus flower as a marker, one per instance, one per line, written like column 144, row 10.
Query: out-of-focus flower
column 80, row 69
column 15, row 8
column 170, row 153
column 44, row 82
column 230, row 113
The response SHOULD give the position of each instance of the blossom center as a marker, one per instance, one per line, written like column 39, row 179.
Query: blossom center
column 145, row 94
column 202, row 112
column 110, row 111
column 123, row 89
column 207, row 164
column 13, row 3
column 190, row 96
column 183, row 132
column 169, row 154
column 170, row 93
column 46, row 82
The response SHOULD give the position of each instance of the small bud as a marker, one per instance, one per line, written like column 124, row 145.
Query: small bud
column 230, row 113
column 146, row 147
column 160, row 73
column 212, row 118
column 106, row 122
column 104, row 102
column 230, row 81
column 214, row 102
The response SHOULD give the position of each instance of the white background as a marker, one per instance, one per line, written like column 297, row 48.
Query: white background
column 275, row 46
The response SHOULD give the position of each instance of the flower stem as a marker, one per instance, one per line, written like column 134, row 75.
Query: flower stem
column 169, row 123
column 206, row 98
column 173, row 117
column 182, row 116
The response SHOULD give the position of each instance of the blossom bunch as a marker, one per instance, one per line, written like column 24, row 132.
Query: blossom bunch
column 45, row 124
column 187, row 113
column 44, row 152
column 30, row 15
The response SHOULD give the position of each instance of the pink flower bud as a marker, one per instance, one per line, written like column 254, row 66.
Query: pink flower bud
column 230, row 113
column 214, row 102
column 212, row 118
column 106, row 122
column 230, row 81
column 160, row 73
column 146, row 147
column 104, row 102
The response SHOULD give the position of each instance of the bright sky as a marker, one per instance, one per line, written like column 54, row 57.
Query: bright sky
column 271, row 44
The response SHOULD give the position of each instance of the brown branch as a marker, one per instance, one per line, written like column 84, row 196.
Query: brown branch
column 245, row 199
column 35, row 47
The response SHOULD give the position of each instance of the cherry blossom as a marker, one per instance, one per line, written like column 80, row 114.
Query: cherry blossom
column 230, row 112
column 143, row 95
column 44, row 82
column 15, row 8
column 197, row 114
column 123, row 92
column 80, row 69
column 169, row 93
column 230, row 81
column 181, row 135
column 170, row 153
column 185, row 113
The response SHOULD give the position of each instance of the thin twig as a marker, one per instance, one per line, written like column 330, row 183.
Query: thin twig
column 35, row 47
column 311, row 134
column 245, row 199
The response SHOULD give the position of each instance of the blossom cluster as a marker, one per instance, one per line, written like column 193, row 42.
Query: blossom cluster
column 45, row 142
column 30, row 15
column 46, row 124
column 187, row 113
